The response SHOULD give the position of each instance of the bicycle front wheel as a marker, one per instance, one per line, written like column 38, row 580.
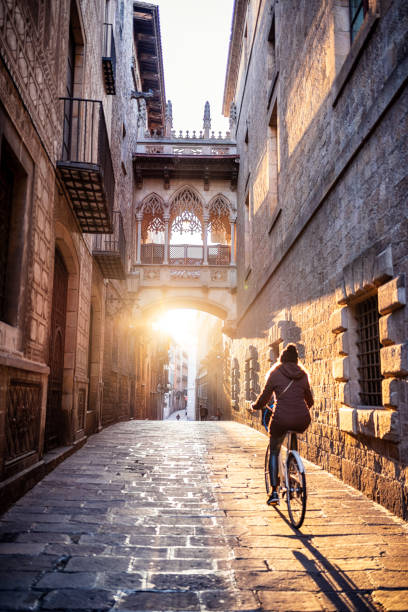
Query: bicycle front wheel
column 268, row 485
column 296, row 494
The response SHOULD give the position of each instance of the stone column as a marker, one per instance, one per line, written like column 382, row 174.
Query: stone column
column 139, row 218
column 166, row 239
column 205, row 231
column 232, row 224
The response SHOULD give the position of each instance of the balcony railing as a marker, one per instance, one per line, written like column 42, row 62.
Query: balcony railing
column 186, row 254
column 110, row 250
column 109, row 59
column 86, row 166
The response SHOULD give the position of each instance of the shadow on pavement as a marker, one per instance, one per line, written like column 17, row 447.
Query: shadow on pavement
column 337, row 586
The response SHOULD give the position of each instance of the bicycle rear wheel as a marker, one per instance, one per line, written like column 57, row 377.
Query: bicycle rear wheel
column 296, row 494
column 268, row 485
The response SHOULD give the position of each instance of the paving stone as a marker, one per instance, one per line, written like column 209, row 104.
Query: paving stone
column 67, row 580
column 179, row 601
column 17, row 580
column 17, row 548
column 75, row 550
column 230, row 600
column 120, row 581
column 392, row 600
column 175, row 566
column 158, row 541
column 193, row 582
column 18, row 602
column 97, row 564
column 78, row 599
column 26, row 562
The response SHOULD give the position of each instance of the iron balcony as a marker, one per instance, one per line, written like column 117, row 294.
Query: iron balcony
column 85, row 167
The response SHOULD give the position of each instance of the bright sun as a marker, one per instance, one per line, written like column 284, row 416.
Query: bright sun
column 180, row 324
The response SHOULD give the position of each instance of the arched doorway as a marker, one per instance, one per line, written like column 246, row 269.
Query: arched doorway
column 54, row 420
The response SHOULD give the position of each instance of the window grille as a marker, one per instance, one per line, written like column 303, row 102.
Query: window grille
column 358, row 11
column 369, row 352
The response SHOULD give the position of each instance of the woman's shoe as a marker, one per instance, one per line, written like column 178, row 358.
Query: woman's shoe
column 273, row 499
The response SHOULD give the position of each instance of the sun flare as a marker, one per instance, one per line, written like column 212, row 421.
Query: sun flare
column 181, row 325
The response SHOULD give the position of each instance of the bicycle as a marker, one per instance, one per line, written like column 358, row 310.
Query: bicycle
column 292, row 480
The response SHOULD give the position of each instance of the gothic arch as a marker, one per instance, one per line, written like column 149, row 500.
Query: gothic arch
column 152, row 211
column 186, row 211
column 219, row 215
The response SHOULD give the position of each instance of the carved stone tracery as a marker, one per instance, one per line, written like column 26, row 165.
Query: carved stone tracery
column 219, row 213
column 186, row 213
column 152, row 209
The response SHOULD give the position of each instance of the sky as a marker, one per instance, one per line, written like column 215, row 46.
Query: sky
column 195, row 38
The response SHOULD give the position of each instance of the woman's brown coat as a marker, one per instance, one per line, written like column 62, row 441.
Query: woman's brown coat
column 291, row 411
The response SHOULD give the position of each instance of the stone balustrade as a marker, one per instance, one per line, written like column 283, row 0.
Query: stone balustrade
column 186, row 146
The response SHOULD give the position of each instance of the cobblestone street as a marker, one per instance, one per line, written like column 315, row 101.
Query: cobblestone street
column 172, row 516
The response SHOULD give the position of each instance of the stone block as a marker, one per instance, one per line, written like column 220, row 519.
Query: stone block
column 394, row 360
column 393, row 392
column 347, row 392
column 392, row 295
column 341, row 369
column 342, row 344
column 383, row 269
column 339, row 320
column 341, row 296
column 368, row 482
column 388, row 425
column 347, row 419
column 392, row 328
column 365, row 422
column 351, row 473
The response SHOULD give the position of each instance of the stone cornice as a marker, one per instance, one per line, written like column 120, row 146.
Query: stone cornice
column 234, row 54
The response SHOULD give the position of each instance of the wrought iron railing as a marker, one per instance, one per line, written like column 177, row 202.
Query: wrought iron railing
column 186, row 254
column 86, row 137
column 112, row 246
column 112, row 243
column 109, row 58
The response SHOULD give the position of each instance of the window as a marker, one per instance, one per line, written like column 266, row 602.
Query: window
column 273, row 160
column 13, row 183
column 247, row 241
column 369, row 352
column 271, row 52
column 358, row 11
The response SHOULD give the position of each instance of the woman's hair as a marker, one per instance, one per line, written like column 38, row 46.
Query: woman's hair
column 289, row 354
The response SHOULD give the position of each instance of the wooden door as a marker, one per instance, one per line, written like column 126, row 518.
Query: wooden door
column 54, row 423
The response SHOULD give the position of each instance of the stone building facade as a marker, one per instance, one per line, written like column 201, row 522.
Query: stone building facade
column 321, row 97
column 71, row 73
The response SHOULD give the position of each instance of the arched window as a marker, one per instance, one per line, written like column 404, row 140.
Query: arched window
column 219, row 220
column 186, row 213
column 152, row 231
column 153, row 219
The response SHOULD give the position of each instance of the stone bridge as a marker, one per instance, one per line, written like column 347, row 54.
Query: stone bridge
column 185, row 213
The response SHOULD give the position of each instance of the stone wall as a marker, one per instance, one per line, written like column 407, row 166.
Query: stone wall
column 339, row 234
column 33, row 73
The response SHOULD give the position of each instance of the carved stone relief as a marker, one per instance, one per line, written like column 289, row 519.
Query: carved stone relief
column 185, row 274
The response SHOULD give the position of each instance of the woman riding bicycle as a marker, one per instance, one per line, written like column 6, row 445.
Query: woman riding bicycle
column 289, row 383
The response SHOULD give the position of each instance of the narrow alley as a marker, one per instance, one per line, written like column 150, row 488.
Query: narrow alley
column 171, row 516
